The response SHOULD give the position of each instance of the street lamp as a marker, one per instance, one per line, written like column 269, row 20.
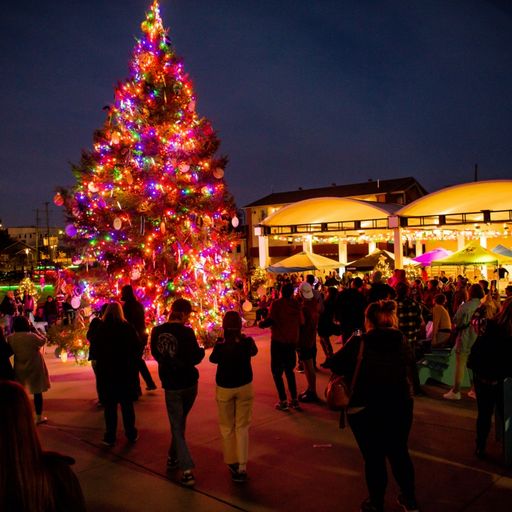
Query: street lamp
column 27, row 250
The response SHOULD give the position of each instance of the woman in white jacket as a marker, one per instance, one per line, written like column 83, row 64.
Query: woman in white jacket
column 29, row 366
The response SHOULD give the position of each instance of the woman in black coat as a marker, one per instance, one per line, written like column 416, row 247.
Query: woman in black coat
column 381, row 406
column 116, row 352
column 491, row 362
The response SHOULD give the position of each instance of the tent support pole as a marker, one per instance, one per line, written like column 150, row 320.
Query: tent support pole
column 398, row 250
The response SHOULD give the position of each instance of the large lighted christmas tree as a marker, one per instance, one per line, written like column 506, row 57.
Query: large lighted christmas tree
column 150, row 205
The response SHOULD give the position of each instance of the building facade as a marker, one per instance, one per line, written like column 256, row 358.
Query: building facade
column 400, row 191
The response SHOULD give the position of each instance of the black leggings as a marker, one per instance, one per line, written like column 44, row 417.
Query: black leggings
column 382, row 433
column 38, row 403
column 488, row 398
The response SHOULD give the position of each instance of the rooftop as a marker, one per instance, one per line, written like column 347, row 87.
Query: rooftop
column 370, row 187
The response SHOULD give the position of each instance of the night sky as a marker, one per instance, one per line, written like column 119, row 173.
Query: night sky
column 302, row 93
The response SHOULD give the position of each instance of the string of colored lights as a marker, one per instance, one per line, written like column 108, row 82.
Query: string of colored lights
column 150, row 204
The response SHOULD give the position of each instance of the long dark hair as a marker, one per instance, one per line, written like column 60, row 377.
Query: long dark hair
column 232, row 325
column 24, row 486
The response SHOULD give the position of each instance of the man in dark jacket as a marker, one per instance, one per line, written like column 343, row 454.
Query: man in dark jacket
column 349, row 308
column 174, row 346
column 134, row 313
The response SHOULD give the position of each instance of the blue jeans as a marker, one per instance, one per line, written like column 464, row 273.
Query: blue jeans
column 179, row 402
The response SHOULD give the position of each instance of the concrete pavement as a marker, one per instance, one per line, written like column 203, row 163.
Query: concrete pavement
column 298, row 460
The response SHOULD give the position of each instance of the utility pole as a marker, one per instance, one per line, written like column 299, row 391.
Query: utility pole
column 476, row 172
column 37, row 237
column 48, row 240
column 47, row 219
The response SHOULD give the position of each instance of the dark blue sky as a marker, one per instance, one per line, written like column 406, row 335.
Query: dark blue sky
column 302, row 93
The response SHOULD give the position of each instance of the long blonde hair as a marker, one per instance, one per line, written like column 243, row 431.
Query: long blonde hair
column 381, row 314
column 114, row 313
column 24, row 485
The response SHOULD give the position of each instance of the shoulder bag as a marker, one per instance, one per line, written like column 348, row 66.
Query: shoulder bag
column 339, row 391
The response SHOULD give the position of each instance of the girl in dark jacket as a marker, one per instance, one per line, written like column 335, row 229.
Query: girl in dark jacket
column 381, row 407
column 491, row 362
column 234, row 392
column 116, row 352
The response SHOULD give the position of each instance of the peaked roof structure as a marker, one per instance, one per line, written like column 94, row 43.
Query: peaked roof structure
column 369, row 261
column 473, row 254
column 303, row 261
column 355, row 189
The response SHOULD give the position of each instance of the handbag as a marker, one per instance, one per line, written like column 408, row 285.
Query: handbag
column 339, row 391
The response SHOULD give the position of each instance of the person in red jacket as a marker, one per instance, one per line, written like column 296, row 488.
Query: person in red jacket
column 285, row 319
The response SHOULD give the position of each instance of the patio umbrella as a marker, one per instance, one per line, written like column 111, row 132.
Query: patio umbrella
column 504, row 251
column 427, row 258
column 303, row 261
column 473, row 254
column 369, row 261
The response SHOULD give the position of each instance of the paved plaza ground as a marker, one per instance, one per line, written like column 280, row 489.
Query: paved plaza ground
column 299, row 461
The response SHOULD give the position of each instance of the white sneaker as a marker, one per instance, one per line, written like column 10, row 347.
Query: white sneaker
column 451, row 395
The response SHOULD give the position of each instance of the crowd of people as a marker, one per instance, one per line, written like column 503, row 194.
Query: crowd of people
column 392, row 323
column 383, row 327
column 47, row 312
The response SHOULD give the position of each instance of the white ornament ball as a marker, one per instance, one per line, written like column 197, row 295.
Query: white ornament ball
column 92, row 187
column 184, row 168
column 118, row 223
column 218, row 173
column 247, row 306
column 235, row 222
column 75, row 302
column 135, row 274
